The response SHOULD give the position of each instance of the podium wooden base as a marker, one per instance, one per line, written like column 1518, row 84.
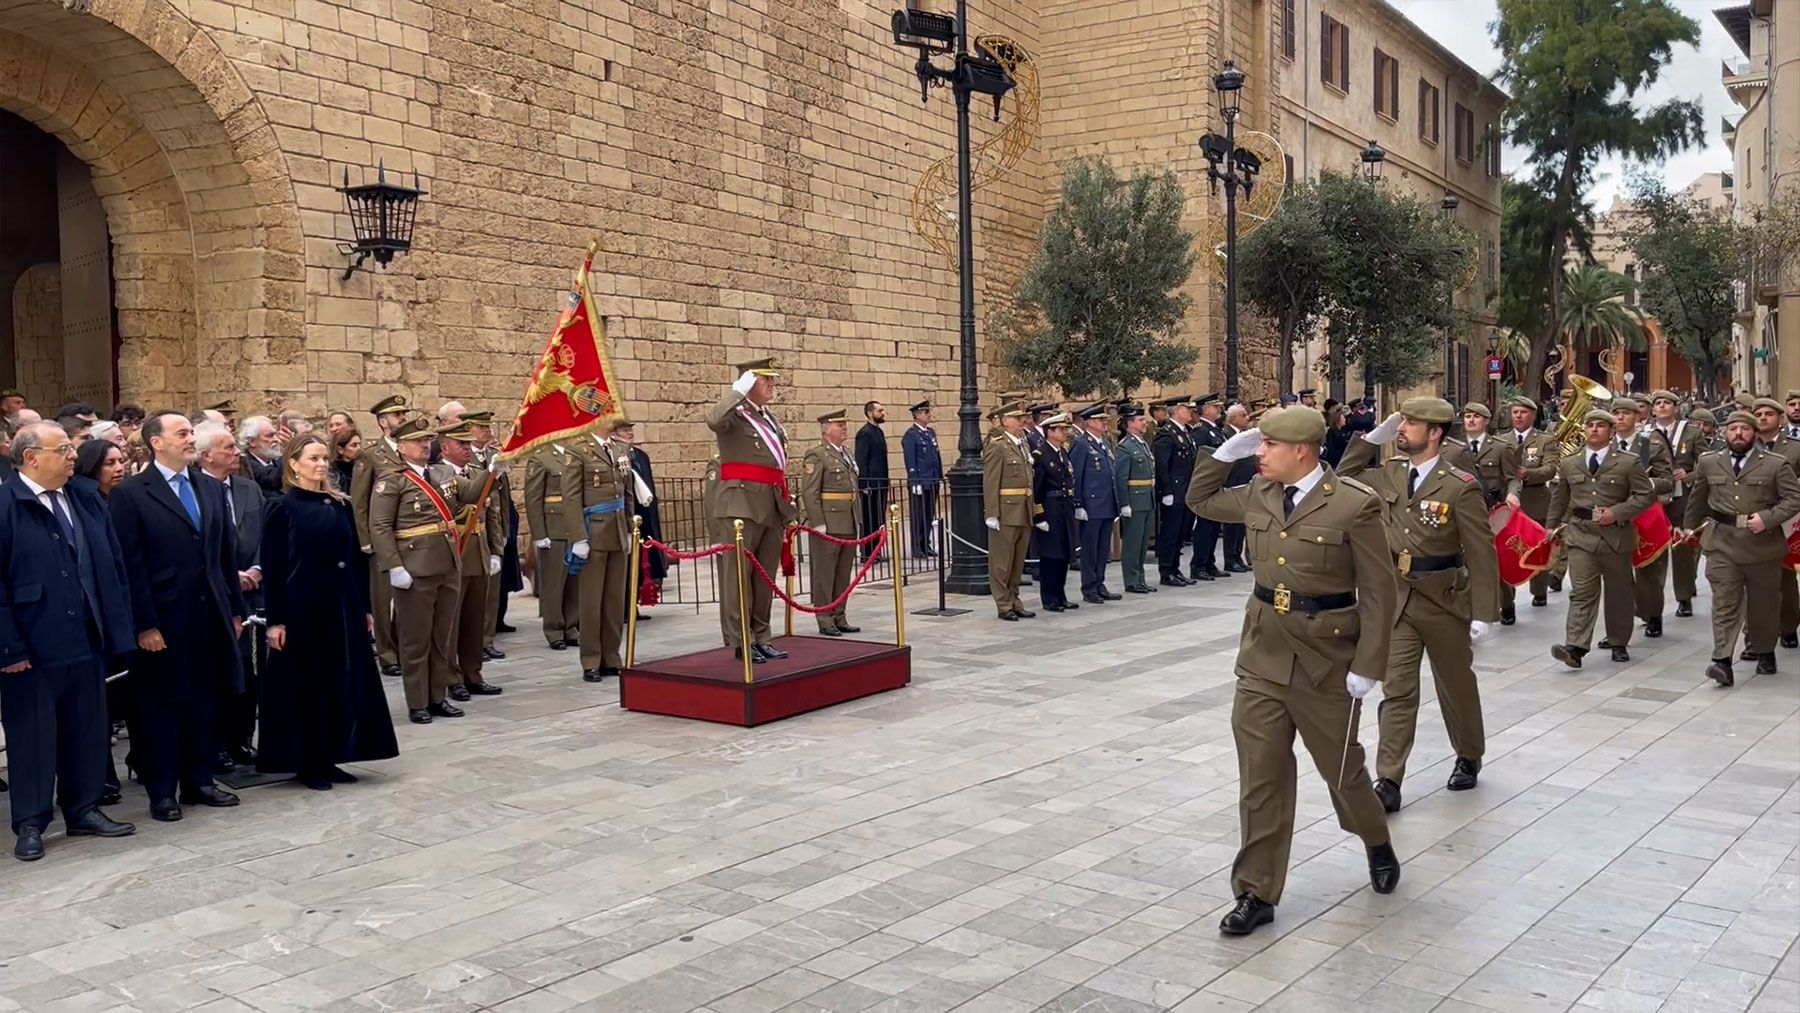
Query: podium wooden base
column 818, row 672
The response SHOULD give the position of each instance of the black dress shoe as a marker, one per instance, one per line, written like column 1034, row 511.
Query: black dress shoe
column 1653, row 627
column 241, row 755
column 1054, row 606
column 1568, row 655
column 460, row 693
column 1071, row 605
column 209, row 795
column 829, row 631
column 1790, row 640
column 644, row 617
column 1214, row 572
column 1556, row 584
column 842, row 628
column 1171, row 580
column 484, row 689
column 339, row 775
column 1508, row 616
column 1109, row 596
column 1603, row 645
column 1389, row 794
column 391, row 671
column 1249, row 913
column 97, row 824
column 1748, row 654
column 1684, row 608
column 445, row 709
column 419, row 716
column 1462, row 776
column 165, row 810
column 593, row 674
column 607, row 671
column 1236, row 567
column 1027, row 613
column 1093, row 599
column 1009, row 616
column 1384, row 868
column 1765, row 665
column 559, row 645
column 1621, row 654
column 493, row 654
column 505, row 628
column 314, row 782
column 30, row 847
column 1139, row 589
column 109, row 795
column 222, row 763
column 1538, row 601
column 1720, row 672
column 771, row 653
column 1196, row 576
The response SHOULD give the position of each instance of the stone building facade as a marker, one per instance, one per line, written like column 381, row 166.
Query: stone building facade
column 749, row 168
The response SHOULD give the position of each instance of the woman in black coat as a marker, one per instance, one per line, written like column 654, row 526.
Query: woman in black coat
column 322, row 701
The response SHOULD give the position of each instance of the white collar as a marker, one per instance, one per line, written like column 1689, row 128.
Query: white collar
column 1476, row 441
column 36, row 489
column 1589, row 452
column 167, row 474
column 418, row 469
column 1424, row 470
column 920, row 425
column 1305, row 485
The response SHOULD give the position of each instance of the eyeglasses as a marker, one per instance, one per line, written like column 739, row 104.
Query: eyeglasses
column 66, row 450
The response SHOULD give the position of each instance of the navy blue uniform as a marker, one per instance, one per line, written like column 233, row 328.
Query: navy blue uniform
column 1053, row 486
column 1174, row 449
column 924, row 473
column 1096, row 491
column 1207, row 437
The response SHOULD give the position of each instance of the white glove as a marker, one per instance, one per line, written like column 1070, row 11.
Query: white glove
column 1168, row 501
column 744, row 383
column 1384, row 433
column 493, row 565
column 580, row 549
column 399, row 578
column 1237, row 448
column 993, row 523
column 1358, row 686
column 542, row 543
column 918, row 490
column 1042, row 525
column 1478, row 629
column 1081, row 513
column 1124, row 511
column 644, row 496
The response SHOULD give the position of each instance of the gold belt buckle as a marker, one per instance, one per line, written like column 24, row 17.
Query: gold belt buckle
column 1284, row 599
column 1743, row 521
column 1405, row 562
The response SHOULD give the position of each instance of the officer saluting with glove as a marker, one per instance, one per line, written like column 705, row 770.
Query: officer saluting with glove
column 1320, row 617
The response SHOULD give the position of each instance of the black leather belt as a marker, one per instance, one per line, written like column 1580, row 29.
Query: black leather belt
column 1426, row 564
column 1728, row 520
column 1582, row 513
column 1287, row 601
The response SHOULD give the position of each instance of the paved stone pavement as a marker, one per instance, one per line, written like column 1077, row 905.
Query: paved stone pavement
column 1045, row 819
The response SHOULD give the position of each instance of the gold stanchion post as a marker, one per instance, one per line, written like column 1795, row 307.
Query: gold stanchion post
column 893, row 540
column 637, row 555
column 743, row 587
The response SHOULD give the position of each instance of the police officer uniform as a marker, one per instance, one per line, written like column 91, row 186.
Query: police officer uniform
column 558, row 598
column 378, row 457
column 828, row 492
column 597, row 497
column 924, row 473
column 1588, row 481
column 1437, row 530
column 1323, row 606
column 752, row 487
column 1684, row 444
column 1010, row 509
column 481, row 536
column 1097, row 499
column 1135, row 477
column 1743, row 567
column 1056, row 535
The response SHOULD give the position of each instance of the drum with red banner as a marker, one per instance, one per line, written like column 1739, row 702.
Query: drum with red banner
column 1654, row 535
column 1519, row 542
column 1792, row 530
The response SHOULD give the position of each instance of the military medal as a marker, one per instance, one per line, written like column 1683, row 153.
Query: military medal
column 1434, row 513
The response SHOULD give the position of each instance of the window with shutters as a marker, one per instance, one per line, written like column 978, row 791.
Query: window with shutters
column 1290, row 25
column 1464, row 127
column 1387, row 85
column 1334, row 52
column 1429, row 113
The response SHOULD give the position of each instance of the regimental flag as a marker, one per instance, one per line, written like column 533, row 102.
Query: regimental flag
column 1520, row 542
column 1654, row 535
column 1791, row 529
column 572, row 389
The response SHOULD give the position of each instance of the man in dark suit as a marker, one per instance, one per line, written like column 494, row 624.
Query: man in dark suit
column 872, row 470
column 1208, row 435
column 261, row 452
column 1237, row 419
column 219, row 458
column 63, row 608
column 181, row 550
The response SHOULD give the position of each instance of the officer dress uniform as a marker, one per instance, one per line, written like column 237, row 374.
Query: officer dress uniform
column 1135, row 471
column 1684, row 444
column 1056, row 535
column 483, row 538
column 1449, row 575
column 828, row 494
column 752, row 487
column 558, row 598
column 1648, row 580
column 1174, row 451
column 924, row 473
column 378, row 457
column 1537, row 455
column 597, row 498
column 1097, row 494
column 1006, row 478
column 1207, row 436
column 1324, row 605
column 1599, row 555
column 1743, row 567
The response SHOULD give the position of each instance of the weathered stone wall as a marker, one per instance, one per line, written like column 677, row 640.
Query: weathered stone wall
column 37, row 325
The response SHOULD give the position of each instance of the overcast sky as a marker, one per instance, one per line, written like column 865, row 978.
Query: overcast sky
column 1462, row 27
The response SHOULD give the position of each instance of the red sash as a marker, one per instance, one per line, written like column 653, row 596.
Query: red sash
column 760, row 473
column 437, row 500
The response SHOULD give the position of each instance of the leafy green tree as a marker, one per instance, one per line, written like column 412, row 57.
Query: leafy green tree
column 1100, row 309
column 1595, row 313
column 1575, row 69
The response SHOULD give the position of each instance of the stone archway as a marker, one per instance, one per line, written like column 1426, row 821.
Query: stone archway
column 208, row 257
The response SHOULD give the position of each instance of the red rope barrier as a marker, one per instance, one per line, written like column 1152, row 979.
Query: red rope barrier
column 706, row 553
column 856, row 578
column 823, row 536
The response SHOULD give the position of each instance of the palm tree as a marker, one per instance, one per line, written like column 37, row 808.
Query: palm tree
column 1595, row 313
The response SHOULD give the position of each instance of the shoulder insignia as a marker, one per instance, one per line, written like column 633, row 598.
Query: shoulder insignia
column 1459, row 473
column 811, row 466
column 381, row 487
column 1353, row 484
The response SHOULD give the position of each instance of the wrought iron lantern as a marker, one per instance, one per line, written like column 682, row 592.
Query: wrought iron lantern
column 382, row 215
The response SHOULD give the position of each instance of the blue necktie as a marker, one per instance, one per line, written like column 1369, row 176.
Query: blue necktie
column 62, row 518
column 184, row 491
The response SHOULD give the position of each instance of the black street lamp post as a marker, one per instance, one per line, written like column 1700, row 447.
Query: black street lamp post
column 1372, row 157
column 1449, row 205
column 1236, row 168
column 934, row 34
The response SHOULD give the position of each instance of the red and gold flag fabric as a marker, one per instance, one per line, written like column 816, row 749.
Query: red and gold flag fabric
column 572, row 389
column 1654, row 535
column 1519, row 542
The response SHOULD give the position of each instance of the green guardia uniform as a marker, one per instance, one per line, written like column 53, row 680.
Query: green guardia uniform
column 1134, row 474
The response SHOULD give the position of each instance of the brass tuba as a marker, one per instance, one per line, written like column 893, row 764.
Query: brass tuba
column 1584, row 395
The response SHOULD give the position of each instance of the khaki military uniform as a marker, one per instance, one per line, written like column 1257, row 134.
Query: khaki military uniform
column 558, row 598
column 378, row 457
column 483, row 535
column 407, row 529
column 828, row 502
column 1294, row 655
column 1449, row 575
column 502, row 495
column 1789, row 450
column 1537, row 456
column 1493, row 463
column 1684, row 444
column 596, row 507
column 1006, row 475
column 748, row 438
column 1743, row 567
column 1648, row 581
column 1600, row 556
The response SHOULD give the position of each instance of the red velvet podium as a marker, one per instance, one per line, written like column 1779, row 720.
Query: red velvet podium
column 818, row 672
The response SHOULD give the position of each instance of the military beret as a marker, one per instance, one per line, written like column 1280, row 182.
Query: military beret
column 1744, row 400
column 1295, row 424
column 1524, row 402
column 1628, row 404
column 1745, row 417
column 922, row 406
column 10, row 392
column 1428, row 409
column 391, row 403
column 462, row 431
column 1664, row 395
column 764, row 366
column 840, row 415
column 1792, row 395
column 412, row 429
column 1703, row 415
column 1767, row 402
column 1477, row 408
column 1060, row 420
column 1597, row 415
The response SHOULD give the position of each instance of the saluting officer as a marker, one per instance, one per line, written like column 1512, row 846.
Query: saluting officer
column 378, row 457
column 924, row 473
column 1537, row 456
column 1135, row 473
column 1096, row 502
column 1174, row 450
column 597, row 498
column 827, row 501
column 1771, row 432
column 1208, row 435
column 412, row 528
column 1684, row 443
column 1647, row 580
column 1600, row 490
column 1320, row 616
column 752, row 487
column 1006, row 476
column 552, row 532
column 482, row 538
column 1742, row 495
column 1449, row 586
column 1056, row 535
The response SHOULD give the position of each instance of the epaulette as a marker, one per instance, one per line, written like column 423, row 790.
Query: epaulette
column 1459, row 473
column 1354, row 484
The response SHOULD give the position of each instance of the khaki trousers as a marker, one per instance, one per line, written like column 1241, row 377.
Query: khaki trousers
column 1685, row 562
column 425, row 620
column 1790, row 602
column 1265, row 716
column 1590, row 573
column 490, row 609
column 830, row 567
column 1426, row 630
column 471, row 609
column 1007, row 549
column 381, row 600
column 1744, row 596
column 559, row 598
column 1647, row 583
column 603, row 600
column 764, row 542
